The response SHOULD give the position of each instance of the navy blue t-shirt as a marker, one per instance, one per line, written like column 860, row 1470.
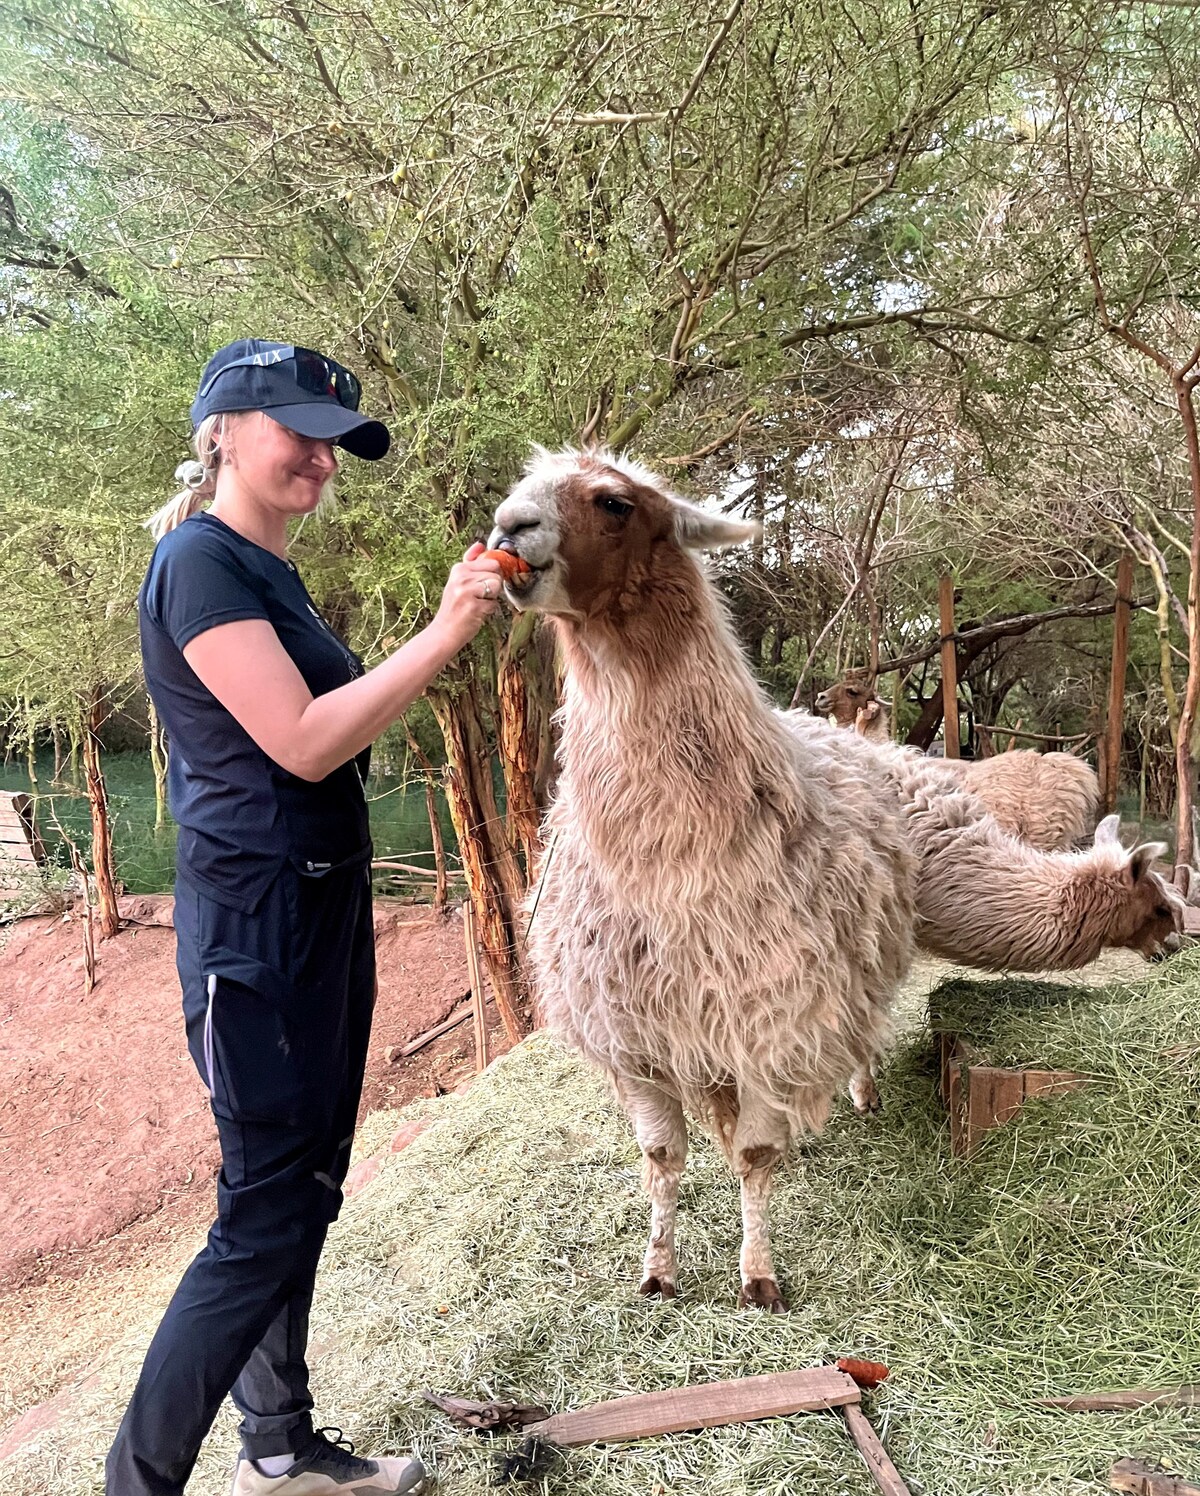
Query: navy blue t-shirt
column 240, row 814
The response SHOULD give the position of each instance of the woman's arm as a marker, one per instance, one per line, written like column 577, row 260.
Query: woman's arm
column 250, row 673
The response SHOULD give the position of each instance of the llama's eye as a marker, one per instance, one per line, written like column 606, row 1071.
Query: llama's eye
column 618, row 508
column 1163, row 912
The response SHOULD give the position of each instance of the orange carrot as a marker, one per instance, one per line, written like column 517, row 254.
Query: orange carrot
column 868, row 1374
column 510, row 564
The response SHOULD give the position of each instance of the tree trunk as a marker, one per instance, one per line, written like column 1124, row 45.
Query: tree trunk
column 525, row 703
column 435, row 825
column 56, row 735
column 158, row 758
column 952, row 734
column 1110, row 778
column 493, row 874
column 30, row 749
column 76, row 742
column 97, row 793
column 1185, row 745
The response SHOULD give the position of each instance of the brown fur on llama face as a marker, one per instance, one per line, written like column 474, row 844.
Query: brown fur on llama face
column 727, row 911
column 597, row 531
column 843, row 701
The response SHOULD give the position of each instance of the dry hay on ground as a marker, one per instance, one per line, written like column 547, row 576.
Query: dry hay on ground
column 498, row 1255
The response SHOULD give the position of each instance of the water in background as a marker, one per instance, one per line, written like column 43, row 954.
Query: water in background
column 145, row 858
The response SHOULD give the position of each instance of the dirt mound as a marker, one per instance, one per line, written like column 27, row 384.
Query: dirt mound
column 103, row 1118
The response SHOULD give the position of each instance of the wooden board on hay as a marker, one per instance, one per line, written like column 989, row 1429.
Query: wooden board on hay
column 978, row 1094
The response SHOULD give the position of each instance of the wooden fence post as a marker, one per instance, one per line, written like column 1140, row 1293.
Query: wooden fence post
column 1110, row 755
column 949, row 667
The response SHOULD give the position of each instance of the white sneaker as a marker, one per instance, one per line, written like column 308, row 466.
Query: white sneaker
column 329, row 1467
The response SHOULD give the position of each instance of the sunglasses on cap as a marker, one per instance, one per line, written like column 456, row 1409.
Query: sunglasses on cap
column 312, row 372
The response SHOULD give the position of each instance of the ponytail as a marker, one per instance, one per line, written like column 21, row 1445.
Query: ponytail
column 199, row 479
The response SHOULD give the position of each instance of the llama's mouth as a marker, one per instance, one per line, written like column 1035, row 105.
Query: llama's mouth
column 524, row 581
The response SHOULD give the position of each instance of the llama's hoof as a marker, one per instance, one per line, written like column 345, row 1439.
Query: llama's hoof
column 654, row 1286
column 865, row 1097
column 762, row 1293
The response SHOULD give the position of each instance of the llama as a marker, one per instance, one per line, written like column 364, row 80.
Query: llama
column 1048, row 800
column 727, row 910
column 852, row 702
column 986, row 899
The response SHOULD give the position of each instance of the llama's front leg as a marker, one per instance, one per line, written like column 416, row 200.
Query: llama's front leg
column 661, row 1131
column 758, row 1149
column 864, row 1093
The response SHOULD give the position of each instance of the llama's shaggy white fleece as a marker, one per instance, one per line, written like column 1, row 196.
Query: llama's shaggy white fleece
column 730, row 903
column 1048, row 800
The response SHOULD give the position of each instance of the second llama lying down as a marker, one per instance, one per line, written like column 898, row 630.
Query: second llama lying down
column 988, row 900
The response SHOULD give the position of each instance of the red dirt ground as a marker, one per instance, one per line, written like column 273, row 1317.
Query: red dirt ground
column 103, row 1119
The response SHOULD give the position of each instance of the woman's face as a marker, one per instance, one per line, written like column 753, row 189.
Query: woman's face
column 279, row 468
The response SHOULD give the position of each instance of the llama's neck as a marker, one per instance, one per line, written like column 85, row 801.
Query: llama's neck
column 668, row 743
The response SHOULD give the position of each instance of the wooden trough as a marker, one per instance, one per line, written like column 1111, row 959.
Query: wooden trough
column 979, row 1096
column 21, row 849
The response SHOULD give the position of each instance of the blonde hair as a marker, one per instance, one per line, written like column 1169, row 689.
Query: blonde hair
column 199, row 478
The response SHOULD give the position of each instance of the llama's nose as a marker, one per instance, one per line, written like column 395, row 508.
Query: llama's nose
column 509, row 526
column 822, row 702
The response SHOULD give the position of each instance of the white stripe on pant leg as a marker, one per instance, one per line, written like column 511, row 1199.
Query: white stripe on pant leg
column 208, row 1032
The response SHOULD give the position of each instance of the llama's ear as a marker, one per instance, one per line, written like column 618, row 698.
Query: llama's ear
column 1108, row 832
column 697, row 530
column 1143, row 858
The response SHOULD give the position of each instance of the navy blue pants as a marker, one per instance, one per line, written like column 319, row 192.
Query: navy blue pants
column 278, row 1007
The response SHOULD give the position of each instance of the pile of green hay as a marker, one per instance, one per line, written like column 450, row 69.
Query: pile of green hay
column 498, row 1256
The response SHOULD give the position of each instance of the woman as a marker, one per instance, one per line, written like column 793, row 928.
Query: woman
column 270, row 718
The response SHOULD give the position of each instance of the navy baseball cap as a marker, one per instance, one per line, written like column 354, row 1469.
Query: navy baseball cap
column 302, row 390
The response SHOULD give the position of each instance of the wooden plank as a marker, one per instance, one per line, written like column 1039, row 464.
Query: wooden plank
column 18, row 827
column 883, row 1472
column 950, row 731
column 957, row 1110
column 1047, row 1083
column 18, row 852
column 460, row 1015
column 1110, row 757
column 1187, row 1396
column 709, row 1405
column 1144, row 1480
column 993, row 1096
column 947, row 1048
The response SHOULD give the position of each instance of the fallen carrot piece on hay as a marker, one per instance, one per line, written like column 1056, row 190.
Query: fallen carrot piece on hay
column 868, row 1374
